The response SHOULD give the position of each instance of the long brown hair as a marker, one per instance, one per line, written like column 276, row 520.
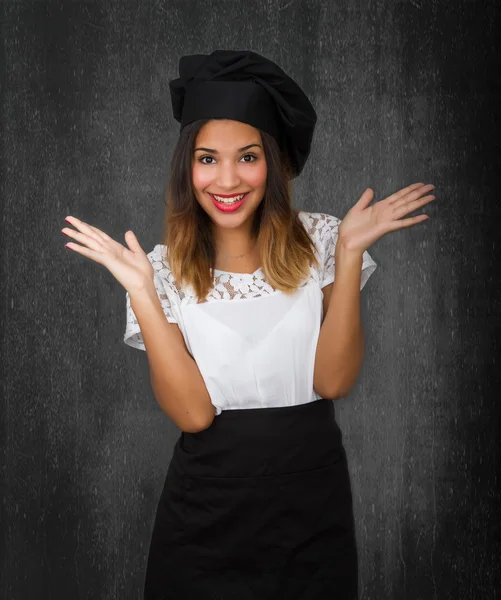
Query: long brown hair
column 284, row 246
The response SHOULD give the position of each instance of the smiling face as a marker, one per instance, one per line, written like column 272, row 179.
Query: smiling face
column 229, row 160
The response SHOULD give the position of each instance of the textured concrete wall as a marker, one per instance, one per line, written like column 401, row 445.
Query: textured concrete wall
column 404, row 93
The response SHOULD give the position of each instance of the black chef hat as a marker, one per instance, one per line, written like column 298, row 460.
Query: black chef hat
column 244, row 86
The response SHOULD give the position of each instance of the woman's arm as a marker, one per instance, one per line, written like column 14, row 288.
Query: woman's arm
column 340, row 346
column 175, row 377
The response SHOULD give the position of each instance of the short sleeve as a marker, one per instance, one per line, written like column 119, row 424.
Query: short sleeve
column 166, row 293
column 328, row 234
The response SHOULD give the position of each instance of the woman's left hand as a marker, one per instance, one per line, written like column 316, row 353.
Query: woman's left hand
column 364, row 224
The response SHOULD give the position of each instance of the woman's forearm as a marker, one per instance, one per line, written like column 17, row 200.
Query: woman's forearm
column 175, row 377
column 340, row 347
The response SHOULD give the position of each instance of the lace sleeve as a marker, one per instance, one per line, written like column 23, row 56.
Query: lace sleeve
column 328, row 233
column 166, row 294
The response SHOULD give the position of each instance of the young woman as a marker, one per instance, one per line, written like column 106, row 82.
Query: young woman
column 249, row 340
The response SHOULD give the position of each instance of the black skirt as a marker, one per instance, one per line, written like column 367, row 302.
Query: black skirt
column 258, row 506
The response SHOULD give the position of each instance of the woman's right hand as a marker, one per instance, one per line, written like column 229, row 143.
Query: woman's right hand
column 131, row 268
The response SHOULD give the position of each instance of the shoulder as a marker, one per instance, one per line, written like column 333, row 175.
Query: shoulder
column 161, row 266
column 321, row 227
column 319, row 221
column 158, row 258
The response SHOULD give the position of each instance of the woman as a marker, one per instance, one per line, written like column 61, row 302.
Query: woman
column 248, row 341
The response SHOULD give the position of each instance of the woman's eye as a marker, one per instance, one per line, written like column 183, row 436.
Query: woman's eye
column 211, row 157
column 251, row 155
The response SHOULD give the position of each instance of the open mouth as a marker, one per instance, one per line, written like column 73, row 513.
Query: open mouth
column 229, row 204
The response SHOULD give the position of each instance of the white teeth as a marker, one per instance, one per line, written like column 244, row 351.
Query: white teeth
column 229, row 200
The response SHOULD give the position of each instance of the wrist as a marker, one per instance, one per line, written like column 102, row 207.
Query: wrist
column 349, row 255
column 145, row 294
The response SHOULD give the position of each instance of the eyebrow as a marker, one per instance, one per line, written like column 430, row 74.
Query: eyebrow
column 212, row 151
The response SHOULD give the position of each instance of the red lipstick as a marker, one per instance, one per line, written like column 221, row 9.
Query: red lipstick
column 227, row 208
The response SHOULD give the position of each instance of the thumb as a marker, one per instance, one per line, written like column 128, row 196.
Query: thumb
column 132, row 241
column 365, row 199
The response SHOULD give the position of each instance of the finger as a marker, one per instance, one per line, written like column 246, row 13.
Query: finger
column 94, row 242
column 364, row 201
column 102, row 234
column 403, row 192
column 419, row 192
column 92, row 254
column 89, row 230
column 402, row 224
column 404, row 207
column 132, row 241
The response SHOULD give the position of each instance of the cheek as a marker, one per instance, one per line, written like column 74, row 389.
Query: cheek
column 201, row 177
column 258, row 176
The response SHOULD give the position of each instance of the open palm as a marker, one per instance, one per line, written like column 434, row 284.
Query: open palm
column 130, row 266
column 364, row 224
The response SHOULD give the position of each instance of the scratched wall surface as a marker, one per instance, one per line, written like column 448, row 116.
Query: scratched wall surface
column 405, row 92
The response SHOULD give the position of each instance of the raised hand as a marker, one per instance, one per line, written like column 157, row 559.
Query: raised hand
column 130, row 267
column 364, row 224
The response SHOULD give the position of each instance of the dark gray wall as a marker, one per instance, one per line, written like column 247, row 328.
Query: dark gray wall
column 404, row 92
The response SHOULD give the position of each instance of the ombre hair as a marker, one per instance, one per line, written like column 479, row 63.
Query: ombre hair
column 285, row 248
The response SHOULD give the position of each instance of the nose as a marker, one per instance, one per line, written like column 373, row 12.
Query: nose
column 228, row 177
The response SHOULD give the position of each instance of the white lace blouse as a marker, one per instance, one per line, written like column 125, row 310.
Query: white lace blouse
column 255, row 346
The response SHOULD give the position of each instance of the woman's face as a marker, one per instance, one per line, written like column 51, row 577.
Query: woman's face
column 222, row 167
